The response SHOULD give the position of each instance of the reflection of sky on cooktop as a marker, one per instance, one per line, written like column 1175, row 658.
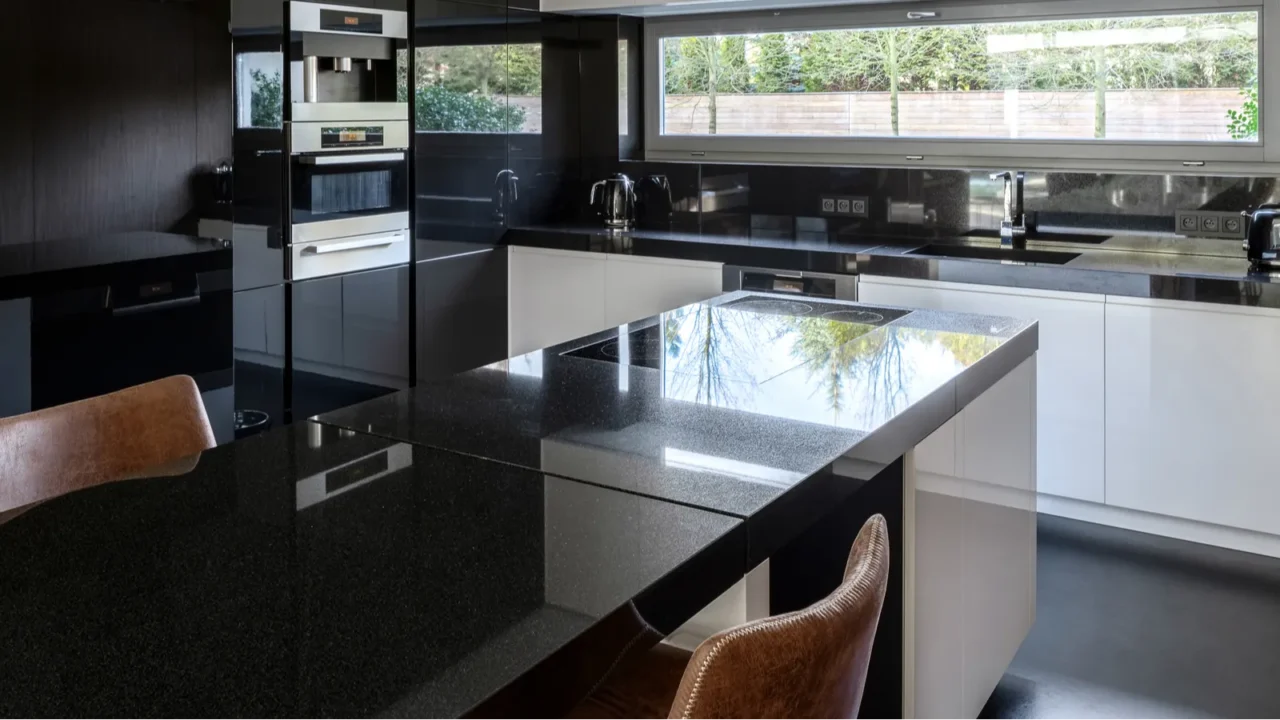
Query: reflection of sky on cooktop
column 815, row 369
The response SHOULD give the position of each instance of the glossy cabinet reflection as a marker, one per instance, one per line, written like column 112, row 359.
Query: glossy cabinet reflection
column 462, row 313
column 15, row 357
column 350, row 339
column 1192, row 412
column 1070, row 402
column 973, row 560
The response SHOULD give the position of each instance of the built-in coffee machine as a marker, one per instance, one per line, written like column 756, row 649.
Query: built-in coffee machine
column 347, row 139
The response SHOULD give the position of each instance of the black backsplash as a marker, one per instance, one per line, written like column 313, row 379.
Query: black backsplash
column 585, row 138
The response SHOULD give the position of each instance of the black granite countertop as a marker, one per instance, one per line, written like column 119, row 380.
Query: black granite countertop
column 33, row 268
column 1178, row 271
column 315, row 572
column 728, row 405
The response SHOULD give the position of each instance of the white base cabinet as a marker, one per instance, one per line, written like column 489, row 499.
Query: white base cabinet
column 1070, row 392
column 557, row 295
column 1192, row 415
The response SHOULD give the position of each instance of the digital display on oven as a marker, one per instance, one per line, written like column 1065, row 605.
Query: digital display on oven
column 349, row 21
column 351, row 137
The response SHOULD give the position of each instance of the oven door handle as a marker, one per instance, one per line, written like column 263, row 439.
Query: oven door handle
column 333, row 247
column 157, row 306
column 351, row 159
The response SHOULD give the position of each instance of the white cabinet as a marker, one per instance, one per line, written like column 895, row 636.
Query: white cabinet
column 638, row 287
column 1192, row 414
column 554, row 296
column 1070, row 411
column 558, row 295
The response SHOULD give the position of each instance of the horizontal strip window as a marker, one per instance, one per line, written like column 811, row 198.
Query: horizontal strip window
column 1123, row 84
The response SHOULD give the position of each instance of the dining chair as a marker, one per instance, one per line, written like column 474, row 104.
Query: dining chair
column 119, row 436
column 808, row 663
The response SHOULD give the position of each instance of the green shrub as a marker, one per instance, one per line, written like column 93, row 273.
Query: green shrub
column 442, row 110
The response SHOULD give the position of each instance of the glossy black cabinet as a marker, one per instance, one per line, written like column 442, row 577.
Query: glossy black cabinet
column 15, row 356
column 350, row 339
column 462, row 313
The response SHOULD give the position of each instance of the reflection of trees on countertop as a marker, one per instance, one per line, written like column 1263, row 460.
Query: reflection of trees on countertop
column 708, row 349
column 829, row 352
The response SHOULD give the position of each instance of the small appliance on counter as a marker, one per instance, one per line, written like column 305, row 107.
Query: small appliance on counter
column 654, row 200
column 1261, row 243
column 614, row 199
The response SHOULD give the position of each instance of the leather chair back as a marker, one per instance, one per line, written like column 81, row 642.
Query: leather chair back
column 118, row 436
column 809, row 663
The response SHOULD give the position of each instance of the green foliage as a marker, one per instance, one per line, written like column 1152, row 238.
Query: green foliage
column 484, row 69
column 444, row 110
column 266, row 100
column 1242, row 124
column 1215, row 50
column 777, row 66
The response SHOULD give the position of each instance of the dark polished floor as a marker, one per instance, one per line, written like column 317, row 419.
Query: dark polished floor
column 1134, row 625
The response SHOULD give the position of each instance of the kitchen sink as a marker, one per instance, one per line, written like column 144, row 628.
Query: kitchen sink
column 974, row 252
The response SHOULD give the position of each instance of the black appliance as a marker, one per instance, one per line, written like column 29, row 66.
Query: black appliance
column 142, row 326
column 1261, row 244
column 653, row 201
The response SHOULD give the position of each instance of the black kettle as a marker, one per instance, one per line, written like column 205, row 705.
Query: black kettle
column 653, row 197
column 1260, row 244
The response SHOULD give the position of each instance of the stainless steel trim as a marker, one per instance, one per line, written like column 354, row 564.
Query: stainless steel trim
column 921, row 14
column 306, row 136
column 310, row 71
column 342, row 64
column 349, row 112
column 305, row 17
column 351, row 159
column 349, row 227
column 381, row 241
column 846, row 286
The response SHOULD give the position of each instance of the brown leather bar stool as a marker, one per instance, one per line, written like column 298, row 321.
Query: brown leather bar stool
column 118, row 436
column 809, row 663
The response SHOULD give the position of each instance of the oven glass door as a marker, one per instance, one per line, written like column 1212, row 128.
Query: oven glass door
column 349, row 185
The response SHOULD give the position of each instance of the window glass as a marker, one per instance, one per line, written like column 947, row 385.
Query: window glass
column 1190, row 77
column 259, row 91
column 479, row 88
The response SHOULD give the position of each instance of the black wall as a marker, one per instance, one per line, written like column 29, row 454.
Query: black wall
column 111, row 107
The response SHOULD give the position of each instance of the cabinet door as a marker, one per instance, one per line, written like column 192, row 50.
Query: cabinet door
column 375, row 324
column 317, row 321
column 555, row 296
column 637, row 287
column 15, row 357
column 1192, row 414
column 250, row 312
column 1070, row 403
column 462, row 313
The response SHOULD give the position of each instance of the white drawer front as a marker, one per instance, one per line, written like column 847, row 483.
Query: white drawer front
column 350, row 254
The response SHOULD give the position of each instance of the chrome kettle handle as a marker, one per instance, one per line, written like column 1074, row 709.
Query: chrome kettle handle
column 595, row 186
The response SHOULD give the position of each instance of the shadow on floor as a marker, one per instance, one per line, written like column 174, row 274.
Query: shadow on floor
column 1135, row 625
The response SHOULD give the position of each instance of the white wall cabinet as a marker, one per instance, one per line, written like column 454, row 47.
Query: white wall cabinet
column 1191, row 416
column 638, row 287
column 1070, row 412
column 554, row 296
column 558, row 295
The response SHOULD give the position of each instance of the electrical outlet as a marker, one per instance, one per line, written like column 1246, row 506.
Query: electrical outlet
column 1210, row 224
column 844, row 205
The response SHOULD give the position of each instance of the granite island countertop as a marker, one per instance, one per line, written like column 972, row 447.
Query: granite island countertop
column 1177, row 268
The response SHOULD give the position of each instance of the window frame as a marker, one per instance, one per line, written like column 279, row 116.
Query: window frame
column 1031, row 154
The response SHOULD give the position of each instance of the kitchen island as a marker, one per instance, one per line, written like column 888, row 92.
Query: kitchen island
column 493, row 542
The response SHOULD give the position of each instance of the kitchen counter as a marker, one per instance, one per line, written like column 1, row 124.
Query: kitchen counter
column 35, row 268
column 727, row 427
column 1181, row 269
column 309, row 572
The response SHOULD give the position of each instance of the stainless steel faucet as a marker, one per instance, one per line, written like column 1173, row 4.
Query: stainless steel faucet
column 1013, row 229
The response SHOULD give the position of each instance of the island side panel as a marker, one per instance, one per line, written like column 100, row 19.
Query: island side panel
column 972, row 548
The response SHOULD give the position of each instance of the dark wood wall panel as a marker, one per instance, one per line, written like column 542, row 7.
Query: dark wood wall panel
column 16, row 213
column 109, row 117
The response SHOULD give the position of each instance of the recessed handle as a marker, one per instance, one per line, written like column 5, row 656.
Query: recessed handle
column 360, row 244
column 921, row 14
